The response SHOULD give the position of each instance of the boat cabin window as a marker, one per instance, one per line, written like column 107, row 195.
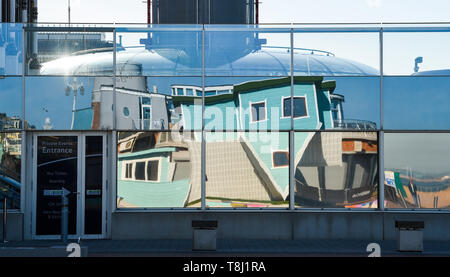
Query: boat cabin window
column 128, row 171
column 142, row 170
column 152, row 170
column 139, row 173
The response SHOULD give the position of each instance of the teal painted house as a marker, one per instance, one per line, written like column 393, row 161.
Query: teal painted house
column 262, row 105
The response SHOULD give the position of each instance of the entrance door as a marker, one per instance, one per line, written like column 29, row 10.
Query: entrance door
column 74, row 162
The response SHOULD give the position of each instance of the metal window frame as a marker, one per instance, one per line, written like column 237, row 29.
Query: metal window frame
column 262, row 28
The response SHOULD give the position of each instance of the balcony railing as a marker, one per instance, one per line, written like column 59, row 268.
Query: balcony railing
column 355, row 124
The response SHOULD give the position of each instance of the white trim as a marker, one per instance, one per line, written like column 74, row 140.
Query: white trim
column 133, row 172
column 265, row 111
column 241, row 114
column 298, row 117
column 229, row 88
column 317, row 106
column 331, row 112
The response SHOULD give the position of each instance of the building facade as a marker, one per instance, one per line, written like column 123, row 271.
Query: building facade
column 152, row 126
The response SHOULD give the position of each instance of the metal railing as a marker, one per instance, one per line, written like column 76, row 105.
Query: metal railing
column 308, row 50
column 355, row 124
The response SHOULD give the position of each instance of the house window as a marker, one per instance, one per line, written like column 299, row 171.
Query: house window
column 280, row 158
column 258, row 111
column 152, row 170
column 139, row 173
column 189, row 92
column 299, row 107
column 180, row 91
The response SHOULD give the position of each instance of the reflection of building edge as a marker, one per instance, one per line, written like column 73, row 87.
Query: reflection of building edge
column 353, row 181
column 403, row 190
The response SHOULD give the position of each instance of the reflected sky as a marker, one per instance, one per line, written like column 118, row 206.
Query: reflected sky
column 401, row 49
column 362, row 97
column 11, row 96
column 416, row 103
column 46, row 98
column 427, row 153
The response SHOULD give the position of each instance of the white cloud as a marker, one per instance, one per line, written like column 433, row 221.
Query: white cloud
column 374, row 3
column 75, row 3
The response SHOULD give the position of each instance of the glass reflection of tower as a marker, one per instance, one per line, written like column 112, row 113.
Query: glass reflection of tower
column 217, row 44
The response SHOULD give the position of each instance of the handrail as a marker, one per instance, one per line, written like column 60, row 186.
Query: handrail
column 355, row 124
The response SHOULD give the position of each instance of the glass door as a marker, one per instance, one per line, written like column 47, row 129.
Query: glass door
column 93, row 199
column 74, row 163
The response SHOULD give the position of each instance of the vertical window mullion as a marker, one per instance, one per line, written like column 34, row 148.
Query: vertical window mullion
column 381, row 132
column 203, row 143
column 291, row 132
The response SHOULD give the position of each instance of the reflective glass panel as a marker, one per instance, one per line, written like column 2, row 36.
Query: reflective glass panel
column 158, row 103
column 416, row 53
column 417, row 170
column 244, row 50
column 246, row 103
column 69, row 103
column 331, row 54
column 158, row 170
column 60, row 52
column 336, row 169
column 354, row 103
column 11, row 48
column 416, row 103
column 163, row 50
column 56, row 170
column 10, row 103
column 10, row 169
column 244, row 170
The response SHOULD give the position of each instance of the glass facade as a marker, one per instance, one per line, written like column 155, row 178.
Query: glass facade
column 10, row 169
column 238, row 116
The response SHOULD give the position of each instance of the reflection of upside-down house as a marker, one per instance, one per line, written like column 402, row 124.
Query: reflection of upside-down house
column 250, row 168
